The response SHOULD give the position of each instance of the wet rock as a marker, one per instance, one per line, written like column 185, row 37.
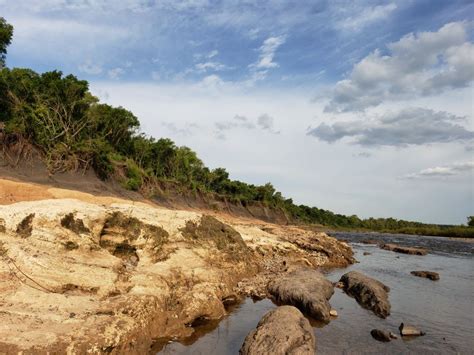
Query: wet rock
column 434, row 276
column 404, row 250
column 333, row 313
column 367, row 253
column 380, row 335
column 368, row 292
column 409, row 330
column 283, row 330
column 306, row 289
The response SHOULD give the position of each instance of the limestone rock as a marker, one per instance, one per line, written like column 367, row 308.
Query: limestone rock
column 434, row 276
column 282, row 331
column 404, row 250
column 306, row 289
column 368, row 292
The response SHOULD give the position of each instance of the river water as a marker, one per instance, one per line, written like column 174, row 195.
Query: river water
column 443, row 309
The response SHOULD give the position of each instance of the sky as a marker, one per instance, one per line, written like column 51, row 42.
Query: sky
column 357, row 106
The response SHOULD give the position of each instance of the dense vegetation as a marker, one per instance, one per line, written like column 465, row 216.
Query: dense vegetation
column 59, row 116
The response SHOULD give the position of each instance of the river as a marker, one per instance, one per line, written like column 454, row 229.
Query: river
column 443, row 309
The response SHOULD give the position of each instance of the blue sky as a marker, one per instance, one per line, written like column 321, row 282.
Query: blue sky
column 362, row 107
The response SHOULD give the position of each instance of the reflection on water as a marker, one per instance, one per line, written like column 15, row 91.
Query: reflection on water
column 443, row 309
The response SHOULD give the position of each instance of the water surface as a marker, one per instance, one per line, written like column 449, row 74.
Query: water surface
column 443, row 309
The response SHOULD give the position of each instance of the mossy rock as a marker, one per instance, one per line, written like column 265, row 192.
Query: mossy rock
column 211, row 230
column 73, row 224
column 3, row 227
column 25, row 227
column 121, row 232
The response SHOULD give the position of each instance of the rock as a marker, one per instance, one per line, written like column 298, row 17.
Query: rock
column 339, row 284
column 283, row 330
column 367, row 253
column 434, row 276
column 404, row 250
column 369, row 241
column 306, row 289
column 393, row 335
column 368, row 292
column 380, row 335
column 333, row 313
column 407, row 330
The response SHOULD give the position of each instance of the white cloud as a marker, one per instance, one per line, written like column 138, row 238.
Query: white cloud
column 443, row 171
column 411, row 126
column 185, row 130
column 210, row 66
column 90, row 68
column 115, row 73
column 267, row 52
column 213, row 53
column 420, row 64
column 266, row 122
column 366, row 17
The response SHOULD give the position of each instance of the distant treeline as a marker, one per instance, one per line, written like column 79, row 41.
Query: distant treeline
column 59, row 116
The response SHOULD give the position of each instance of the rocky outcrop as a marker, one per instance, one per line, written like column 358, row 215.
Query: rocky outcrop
column 368, row 292
column 306, row 289
column 80, row 277
column 81, row 273
column 284, row 331
column 434, row 276
column 404, row 250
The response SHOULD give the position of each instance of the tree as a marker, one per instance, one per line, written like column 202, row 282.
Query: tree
column 470, row 221
column 6, row 34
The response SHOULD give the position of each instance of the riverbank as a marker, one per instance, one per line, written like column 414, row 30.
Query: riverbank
column 85, row 273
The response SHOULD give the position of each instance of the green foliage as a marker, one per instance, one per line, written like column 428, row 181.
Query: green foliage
column 470, row 221
column 59, row 116
column 6, row 33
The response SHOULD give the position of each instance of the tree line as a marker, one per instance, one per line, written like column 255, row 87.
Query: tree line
column 73, row 130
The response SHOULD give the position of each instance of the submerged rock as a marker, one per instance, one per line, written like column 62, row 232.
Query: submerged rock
column 368, row 292
column 408, row 330
column 283, row 330
column 434, row 276
column 404, row 250
column 306, row 289
column 380, row 335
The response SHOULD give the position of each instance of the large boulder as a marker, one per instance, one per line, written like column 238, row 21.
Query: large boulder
column 434, row 276
column 284, row 331
column 306, row 289
column 368, row 292
column 404, row 250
